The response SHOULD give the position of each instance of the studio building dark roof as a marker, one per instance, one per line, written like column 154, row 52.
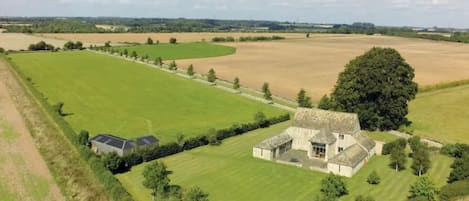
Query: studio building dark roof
column 122, row 143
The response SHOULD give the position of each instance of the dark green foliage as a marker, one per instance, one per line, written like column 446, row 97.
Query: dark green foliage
column 399, row 144
column 236, row 84
column 260, row 38
column 113, row 162
column 195, row 194
column 173, row 65
column 70, row 45
column 261, row 119
column 83, row 137
column 414, row 143
column 107, row 44
column 325, row 103
column 333, row 186
column 266, row 91
column 421, row 160
column 134, row 55
column 2, row 50
column 455, row 150
column 460, row 169
column 149, row 41
column 377, row 86
column 398, row 159
column 222, row 39
column 423, row 190
column 307, row 35
column 303, row 100
column 41, row 45
column 190, row 70
column 158, row 61
column 173, row 40
column 364, row 198
column 211, row 77
column 125, row 53
column 373, row 178
column 156, row 178
column 453, row 191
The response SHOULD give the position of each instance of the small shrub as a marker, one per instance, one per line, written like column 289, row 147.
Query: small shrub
column 173, row 40
column 373, row 178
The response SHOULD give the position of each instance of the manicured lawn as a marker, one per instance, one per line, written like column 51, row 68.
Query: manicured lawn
column 104, row 94
column 180, row 50
column 229, row 173
column 442, row 115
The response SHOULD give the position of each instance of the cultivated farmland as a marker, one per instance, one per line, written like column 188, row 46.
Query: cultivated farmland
column 229, row 172
column 162, row 37
column 180, row 51
column 442, row 114
column 19, row 41
column 315, row 63
column 107, row 95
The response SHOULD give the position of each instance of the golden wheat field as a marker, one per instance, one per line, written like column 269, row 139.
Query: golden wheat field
column 314, row 63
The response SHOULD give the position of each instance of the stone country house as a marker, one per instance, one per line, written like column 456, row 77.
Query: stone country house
column 321, row 140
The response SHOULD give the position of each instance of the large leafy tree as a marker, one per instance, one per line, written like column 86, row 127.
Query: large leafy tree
column 378, row 86
column 421, row 160
column 156, row 178
column 398, row 159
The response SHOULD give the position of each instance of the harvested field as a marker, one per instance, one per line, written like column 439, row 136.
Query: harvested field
column 315, row 63
column 20, row 41
column 24, row 174
column 162, row 37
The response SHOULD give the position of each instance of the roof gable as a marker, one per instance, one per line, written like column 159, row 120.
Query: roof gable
column 337, row 122
column 350, row 156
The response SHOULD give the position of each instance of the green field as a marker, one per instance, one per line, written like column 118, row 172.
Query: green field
column 229, row 173
column 180, row 51
column 442, row 115
column 103, row 94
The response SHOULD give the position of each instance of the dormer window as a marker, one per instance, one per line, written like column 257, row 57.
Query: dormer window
column 341, row 136
column 341, row 149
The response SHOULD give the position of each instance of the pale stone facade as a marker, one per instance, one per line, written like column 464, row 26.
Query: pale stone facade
column 325, row 137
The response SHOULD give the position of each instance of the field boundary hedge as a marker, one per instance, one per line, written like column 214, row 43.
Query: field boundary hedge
column 213, row 137
column 104, row 176
column 445, row 85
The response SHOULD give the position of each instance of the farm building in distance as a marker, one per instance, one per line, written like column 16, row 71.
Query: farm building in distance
column 321, row 140
column 106, row 143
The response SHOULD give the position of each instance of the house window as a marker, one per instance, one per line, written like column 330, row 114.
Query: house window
column 341, row 149
column 341, row 136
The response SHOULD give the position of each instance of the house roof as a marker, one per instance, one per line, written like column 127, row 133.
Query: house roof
column 274, row 142
column 146, row 140
column 337, row 122
column 122, row 143
column 350, row 156
column 323, row 137
column 113, row 141
column 365, row 141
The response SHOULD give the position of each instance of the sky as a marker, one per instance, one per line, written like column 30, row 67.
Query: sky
column 421, row 13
